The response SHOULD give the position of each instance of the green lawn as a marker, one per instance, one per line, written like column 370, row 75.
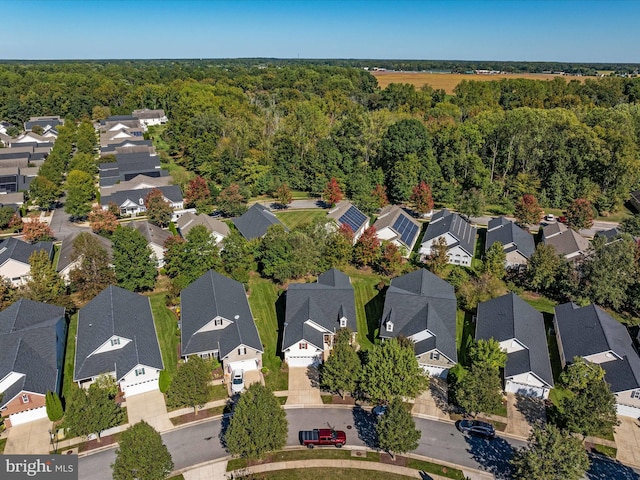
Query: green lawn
column 3, row 442
column 295, row 218
column 436, row 469
column 539, row 302
column 465, row 334
column 167, row 327
column 69, row 357
column 263, row 295
column 218, row 392
column 325, row 473
column 369, row 305
column 476, row 261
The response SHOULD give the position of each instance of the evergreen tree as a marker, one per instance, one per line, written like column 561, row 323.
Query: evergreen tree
column 141, row 455
column 258, row 426
column 53, row 406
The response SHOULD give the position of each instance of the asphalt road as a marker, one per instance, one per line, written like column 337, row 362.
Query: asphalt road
column 440, row 440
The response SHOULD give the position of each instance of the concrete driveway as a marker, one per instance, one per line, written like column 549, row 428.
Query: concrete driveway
column 303, row 386
column 627, row 436
column 522, row 413
column 151, row 408
column 433, row 402
column 29, row 438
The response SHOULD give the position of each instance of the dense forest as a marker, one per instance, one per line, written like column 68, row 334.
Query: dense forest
column 303, row 124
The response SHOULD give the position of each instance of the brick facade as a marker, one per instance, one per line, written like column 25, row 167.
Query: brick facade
column 17, row 405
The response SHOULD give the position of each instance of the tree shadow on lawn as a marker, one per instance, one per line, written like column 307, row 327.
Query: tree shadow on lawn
column 493, row 455
column 373, row 311
column 605, row 468
column 365, row 425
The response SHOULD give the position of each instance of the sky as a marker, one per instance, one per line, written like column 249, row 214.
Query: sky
column 533, row 30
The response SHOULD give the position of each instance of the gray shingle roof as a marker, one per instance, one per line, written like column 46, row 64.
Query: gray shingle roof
column 210, row 296
column 189, row 220
column 28, row 345
column 565, row 240
column 420, row 301
column 511, row 236
column 116, row 311
column 324, row 303
column 255, row 222
column 589, row 330
column 11, row 248
column 509, row 317
column 171, row 192
column 444, row 222
column 151, row 233
column 355, row 219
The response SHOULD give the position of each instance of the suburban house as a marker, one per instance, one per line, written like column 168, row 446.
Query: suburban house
column 128, row 166
column 150, row 117
column 136, row 145
column 345, row 213
column 398, row 226
column 67, row 261
column 14, row 258
column 43, row 122
column 119, row 135
column 519, row 328
column 131, row 202
column 313, row 314
column 610, row 235
column 219, row 230
column 459, row 235
column 117, row 336
column 567, row 242
column 422, row 307
column 255, row 222
column 216, row 322
column 33, row 336
column 118, row 122
column 155, row 237
column 591, row 333
column 517, row 243
column 136, row 183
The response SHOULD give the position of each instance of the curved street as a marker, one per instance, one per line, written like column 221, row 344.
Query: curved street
column 195, row 444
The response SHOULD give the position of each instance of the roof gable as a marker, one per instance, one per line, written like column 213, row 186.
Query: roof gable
column 255, row 222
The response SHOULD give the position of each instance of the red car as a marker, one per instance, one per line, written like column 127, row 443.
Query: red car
column 322, row 436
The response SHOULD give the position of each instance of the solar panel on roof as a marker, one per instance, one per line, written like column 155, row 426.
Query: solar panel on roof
column 406, row 229
column 354, row 218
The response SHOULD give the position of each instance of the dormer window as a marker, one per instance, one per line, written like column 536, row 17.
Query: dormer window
column 141, row 201
column 115, row 341
column 389, row 326
column 217, row 322
column 434, row 355
column 343, row 322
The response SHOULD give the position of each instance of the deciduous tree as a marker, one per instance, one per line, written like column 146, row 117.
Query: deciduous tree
column 44, row 283
column 91, row 411
column 580, row 214
column 231, row 201
column 339, row 246
column 158, row 209
column 488, row 353
column 186, row 261
column 550, row 454
column 396, row 429
column 94, row 272
column 341, row 372
column 421, row 198
column 332, row 192
column 380, row 195
column 439, row 259
column 494, row 260
column 390, row 261
column 366, row 251
column 543, row 267
column 237, row 257
column 258, row 426
column 134, row 266
column 141, row 455
column 198, row 194
column 528, row 211
column 36, row 231
column 80, row 192
column 283, row 195
column 190, row 385
column 102, row 221
column 471, row 203
column 392, row 370
column 478, row 389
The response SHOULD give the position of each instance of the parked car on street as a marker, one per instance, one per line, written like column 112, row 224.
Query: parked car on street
column 237, row 381
column 378, row 411
column 476, row 428
column 322, row 436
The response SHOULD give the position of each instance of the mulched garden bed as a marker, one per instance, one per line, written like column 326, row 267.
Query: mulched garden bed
column 399, row 461
column 192, row 417
column 338, row 400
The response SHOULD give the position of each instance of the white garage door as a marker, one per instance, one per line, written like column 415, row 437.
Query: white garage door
column 28, row 416
column 138, row 388
column 628, row 411
column 309, row 361
column 526, row 390
column 245, row 365
column 439, row 372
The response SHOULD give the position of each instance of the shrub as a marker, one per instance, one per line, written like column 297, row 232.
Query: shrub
column 53, row 406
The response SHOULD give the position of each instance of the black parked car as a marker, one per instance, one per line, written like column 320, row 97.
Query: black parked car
column 476, row 428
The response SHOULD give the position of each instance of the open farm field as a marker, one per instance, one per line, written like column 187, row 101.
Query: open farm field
column 448, row 81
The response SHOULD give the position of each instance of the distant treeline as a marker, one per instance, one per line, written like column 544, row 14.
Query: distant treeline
column 304, row 123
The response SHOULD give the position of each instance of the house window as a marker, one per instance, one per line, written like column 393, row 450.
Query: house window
column 25, row 398
column 141, row 201
column 302, row 345
column 635, row 394
column 343, row 322
column 242, row 351
column 115, row 341
column 389, row 326
column 217, row 322
column 434, row 355
column 139, row 371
